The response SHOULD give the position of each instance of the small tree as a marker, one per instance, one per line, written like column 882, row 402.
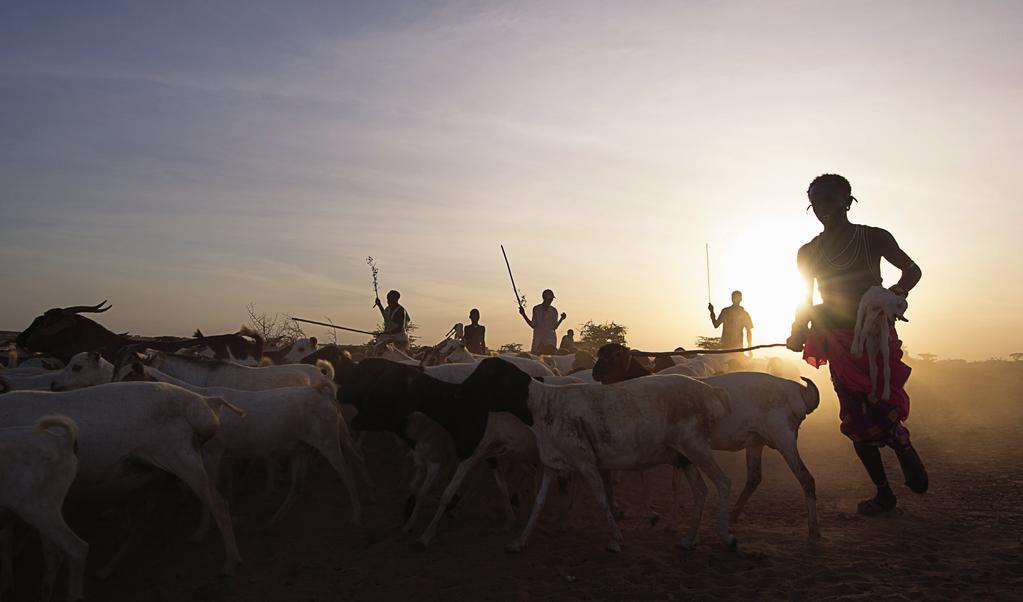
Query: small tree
column 1016, row 357
column 593, row 336
column 708, row 342
column 510, row 348
column 275, row 329
column 928, row 357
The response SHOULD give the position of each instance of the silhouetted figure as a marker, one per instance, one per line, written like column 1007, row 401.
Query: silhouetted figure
column 845, row 260
column 545, row 323
column 567, row 343
column 396, row 321
column 475, row 334
column 735, row 320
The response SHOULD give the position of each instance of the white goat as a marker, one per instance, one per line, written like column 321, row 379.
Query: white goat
column 39, row 468
column 878, row 310
column 632, row 425
column 278, row 423
column 155, row 423
column 460, row 355
column 216, row 373
column 85, row 369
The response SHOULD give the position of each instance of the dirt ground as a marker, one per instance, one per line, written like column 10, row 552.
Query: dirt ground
column 961, row 540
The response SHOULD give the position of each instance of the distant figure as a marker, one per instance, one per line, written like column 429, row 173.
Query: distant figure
column 475, row 334
column 567, row 343
column 396, row 321
column 545, row 324
column 735, row 319
column 845, row 260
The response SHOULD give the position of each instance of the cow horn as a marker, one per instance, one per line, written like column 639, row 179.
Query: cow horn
column 87, row 309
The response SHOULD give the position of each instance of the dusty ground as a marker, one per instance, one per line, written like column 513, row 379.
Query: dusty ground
column 961, row 540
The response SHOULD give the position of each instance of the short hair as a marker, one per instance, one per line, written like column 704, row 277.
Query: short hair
column 570, row 331
column 396, row 294
column 832, row 182
column 474, row 311
column 734, row 293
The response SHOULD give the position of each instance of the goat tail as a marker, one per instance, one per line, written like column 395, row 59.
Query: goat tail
column 69, row 426
column 811, row 395
column 247, row 331
column 326, row 369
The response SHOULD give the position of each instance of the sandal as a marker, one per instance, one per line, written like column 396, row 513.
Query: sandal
column 876, row 506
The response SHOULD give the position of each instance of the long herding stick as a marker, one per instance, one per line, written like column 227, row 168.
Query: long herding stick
column 333, row 326
column 706, row 251
column 692, row 352
column 518, row 299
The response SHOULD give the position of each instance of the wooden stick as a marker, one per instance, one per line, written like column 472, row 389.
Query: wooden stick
column 706, row 251
column 692, row 352
column 333, row 326
column 518, row 299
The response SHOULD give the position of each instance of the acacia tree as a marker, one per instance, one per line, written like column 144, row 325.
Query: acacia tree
column 275, row 329
column 593, row 336
column 510, row 348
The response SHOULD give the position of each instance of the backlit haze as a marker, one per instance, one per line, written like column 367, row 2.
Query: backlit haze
column 185, row 159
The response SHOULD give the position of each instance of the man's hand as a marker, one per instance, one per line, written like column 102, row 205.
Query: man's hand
column 563, row 316
column 522, row 311
column 794, row 343
column 378, row 303
column 710, row 307
column 898, row 290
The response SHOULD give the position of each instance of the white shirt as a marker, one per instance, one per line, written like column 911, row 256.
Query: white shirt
column 545, row 321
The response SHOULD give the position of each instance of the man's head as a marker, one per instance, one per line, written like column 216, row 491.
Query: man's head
column 570, row 333
column 831, row 197
column 392, row 297
column 474, row 315
column 548, row 296
column 736, row 297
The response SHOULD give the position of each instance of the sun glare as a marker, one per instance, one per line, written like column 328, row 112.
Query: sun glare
column 765, row 271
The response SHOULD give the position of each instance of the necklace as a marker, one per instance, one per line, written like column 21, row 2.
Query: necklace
column 852, row 250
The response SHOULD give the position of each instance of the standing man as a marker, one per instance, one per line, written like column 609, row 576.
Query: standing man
column 545, row 323
column 735, row 319
column 396, row 321
column 475, row 334
column 845, row 260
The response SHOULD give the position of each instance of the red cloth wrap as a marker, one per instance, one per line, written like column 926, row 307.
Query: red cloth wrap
column 832, row 346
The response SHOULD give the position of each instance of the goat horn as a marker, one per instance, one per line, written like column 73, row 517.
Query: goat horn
column 89, row 309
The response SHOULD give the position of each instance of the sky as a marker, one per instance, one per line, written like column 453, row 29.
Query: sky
column 187, row 159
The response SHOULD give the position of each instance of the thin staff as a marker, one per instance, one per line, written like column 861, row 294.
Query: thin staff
column 333, row 326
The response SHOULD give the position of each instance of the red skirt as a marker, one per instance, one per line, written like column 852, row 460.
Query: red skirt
column 863, row 420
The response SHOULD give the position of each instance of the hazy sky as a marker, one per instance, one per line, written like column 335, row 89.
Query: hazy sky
column 185, row 159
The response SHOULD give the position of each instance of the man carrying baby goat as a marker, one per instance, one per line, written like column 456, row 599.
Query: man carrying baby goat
column 845, row 260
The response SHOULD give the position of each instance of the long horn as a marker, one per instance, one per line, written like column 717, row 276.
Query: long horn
column 87, row 309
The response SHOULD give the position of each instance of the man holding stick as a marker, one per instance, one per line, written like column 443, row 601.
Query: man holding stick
column 735, row 320
column 545, row 323
column 396, row 321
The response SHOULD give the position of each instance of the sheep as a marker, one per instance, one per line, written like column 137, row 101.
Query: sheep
column 39, row 468
column 85, row 369
column 155, row 423
column 278, row 422
column 878, row 310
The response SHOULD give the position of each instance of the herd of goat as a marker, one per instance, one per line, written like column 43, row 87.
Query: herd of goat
column 185, row 407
